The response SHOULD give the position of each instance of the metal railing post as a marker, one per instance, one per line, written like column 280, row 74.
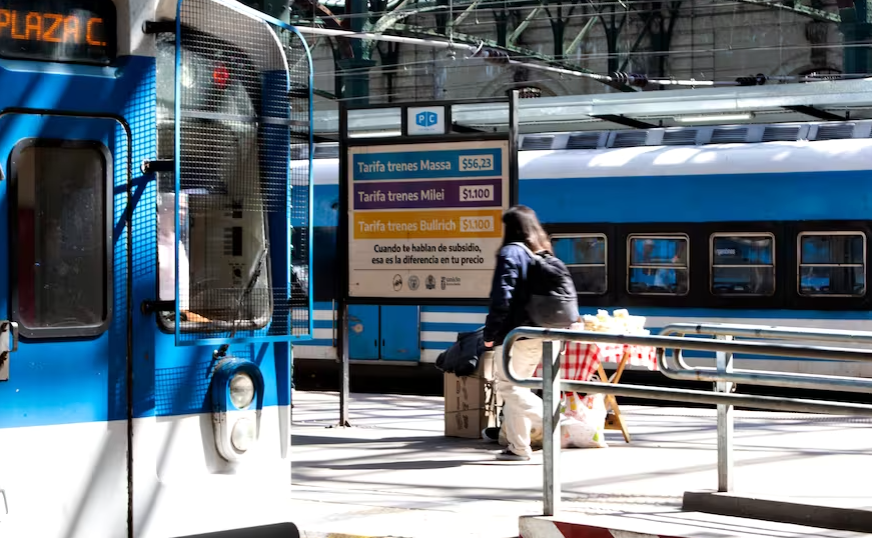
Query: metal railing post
column 725, row 348
column 725, row 421
column 551, row 428
column 761, row 377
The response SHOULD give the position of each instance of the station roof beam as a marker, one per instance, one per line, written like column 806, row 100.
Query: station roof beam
column 783, row 103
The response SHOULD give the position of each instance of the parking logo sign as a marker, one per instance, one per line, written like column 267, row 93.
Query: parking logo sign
column 425, row 121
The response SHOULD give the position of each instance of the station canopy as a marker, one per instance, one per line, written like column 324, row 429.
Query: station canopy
column 842, row 100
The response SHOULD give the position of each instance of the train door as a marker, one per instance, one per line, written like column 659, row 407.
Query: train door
column 59, row 285
column 388, row 333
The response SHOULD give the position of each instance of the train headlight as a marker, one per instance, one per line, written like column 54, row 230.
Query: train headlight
column 237, row 400
column 241, row 390
column 244, row 434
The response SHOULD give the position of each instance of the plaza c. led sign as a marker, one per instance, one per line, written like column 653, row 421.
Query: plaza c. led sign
column 58, row 31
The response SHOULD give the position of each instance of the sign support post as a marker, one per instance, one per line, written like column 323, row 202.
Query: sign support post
column 345, row 367
column 341, row 257
column 420, row 211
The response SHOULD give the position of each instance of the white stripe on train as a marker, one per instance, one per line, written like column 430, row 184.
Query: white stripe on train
column 442, row 339
column 453, row 317
column 82, row 492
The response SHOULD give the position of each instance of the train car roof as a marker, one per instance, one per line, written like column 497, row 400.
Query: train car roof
column 768, row 157
column 762, row 158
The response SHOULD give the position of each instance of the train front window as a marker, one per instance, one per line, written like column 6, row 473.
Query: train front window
column 658, row 264
column 832, row 264
column 60, row 261
column 742, row 264
column 224, row 282
column 585, row 257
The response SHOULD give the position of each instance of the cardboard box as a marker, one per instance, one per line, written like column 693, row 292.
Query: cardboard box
column 471, row 403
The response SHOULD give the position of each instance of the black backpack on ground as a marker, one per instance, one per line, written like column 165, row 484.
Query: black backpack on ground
column 553, row 302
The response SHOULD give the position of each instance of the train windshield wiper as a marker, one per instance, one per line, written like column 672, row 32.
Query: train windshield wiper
column 253, row 277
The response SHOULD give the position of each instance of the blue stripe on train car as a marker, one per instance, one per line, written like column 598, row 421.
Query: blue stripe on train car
column 323, row 325
column 749, row 197
column 441, row 324
column 454, row 310
column 613, row 195
column 445, row 322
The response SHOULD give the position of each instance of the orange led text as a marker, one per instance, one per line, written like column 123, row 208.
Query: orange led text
column 51, row 28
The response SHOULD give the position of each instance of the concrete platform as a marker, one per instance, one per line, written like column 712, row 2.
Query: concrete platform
column 393, row 473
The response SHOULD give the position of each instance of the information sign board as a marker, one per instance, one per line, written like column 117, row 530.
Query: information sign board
column 425, row 220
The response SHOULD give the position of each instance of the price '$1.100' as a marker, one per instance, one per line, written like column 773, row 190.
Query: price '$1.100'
column 476, row 224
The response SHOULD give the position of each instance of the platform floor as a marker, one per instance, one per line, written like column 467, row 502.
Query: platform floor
column 393, row 473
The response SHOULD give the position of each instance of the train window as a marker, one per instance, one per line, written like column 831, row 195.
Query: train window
column 832, row 264
column 585, row 257
column 224, row 281
column 742, row 264
column 61, row 264
column 658, row 264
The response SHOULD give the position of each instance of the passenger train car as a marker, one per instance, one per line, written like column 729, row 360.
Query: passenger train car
column 762, row 224
column 146, row 296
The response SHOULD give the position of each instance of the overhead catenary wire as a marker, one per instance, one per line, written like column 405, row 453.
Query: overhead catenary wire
column 633, row 7
column 587, row 9
column 502, row 57
column 690, row 52
column 535, row 61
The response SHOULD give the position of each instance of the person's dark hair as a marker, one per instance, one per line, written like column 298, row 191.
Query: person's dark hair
column 522, row 226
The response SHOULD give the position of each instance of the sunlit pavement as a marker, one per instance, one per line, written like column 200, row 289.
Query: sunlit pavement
column 393, row 473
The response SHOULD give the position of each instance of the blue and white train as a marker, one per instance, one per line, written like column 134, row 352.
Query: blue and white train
column 147, row 300
column 762, row 224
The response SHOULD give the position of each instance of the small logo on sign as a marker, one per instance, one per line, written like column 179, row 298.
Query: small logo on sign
column 398, row 282
column 431, row 282
column 414, row 282
column 443, row 282
column 426, row 119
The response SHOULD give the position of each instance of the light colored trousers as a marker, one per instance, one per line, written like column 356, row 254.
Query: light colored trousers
column 522, row 410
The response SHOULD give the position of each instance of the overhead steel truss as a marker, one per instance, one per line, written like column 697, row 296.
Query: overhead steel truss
column 514, row 17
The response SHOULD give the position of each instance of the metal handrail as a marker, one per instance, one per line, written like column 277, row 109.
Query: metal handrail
column 762, row 377
column 552, row 386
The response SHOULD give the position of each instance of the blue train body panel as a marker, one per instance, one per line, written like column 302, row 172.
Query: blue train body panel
column 80, row 368
column 69, row 382
column 714, row 198
column 770, row 184
column 104, row 424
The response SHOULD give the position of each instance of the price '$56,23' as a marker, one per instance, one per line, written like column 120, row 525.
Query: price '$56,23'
column 476, row 163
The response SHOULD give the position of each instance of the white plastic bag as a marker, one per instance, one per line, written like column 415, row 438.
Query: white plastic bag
column 583, row 424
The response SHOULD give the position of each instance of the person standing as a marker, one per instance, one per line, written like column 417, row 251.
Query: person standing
column 508, row 301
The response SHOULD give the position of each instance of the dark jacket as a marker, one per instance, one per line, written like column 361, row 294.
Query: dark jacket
column 509, row 294
column 462, row 358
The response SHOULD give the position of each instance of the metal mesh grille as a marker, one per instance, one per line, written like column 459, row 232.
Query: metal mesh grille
column 729, row 135
column 244, row 212
column 679, row 137
column 835, row 131
column 583, row 141
column 630, row 139
column 779, row 133
column 536, row 142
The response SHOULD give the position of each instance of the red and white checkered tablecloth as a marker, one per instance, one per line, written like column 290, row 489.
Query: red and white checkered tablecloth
column 580, row 361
